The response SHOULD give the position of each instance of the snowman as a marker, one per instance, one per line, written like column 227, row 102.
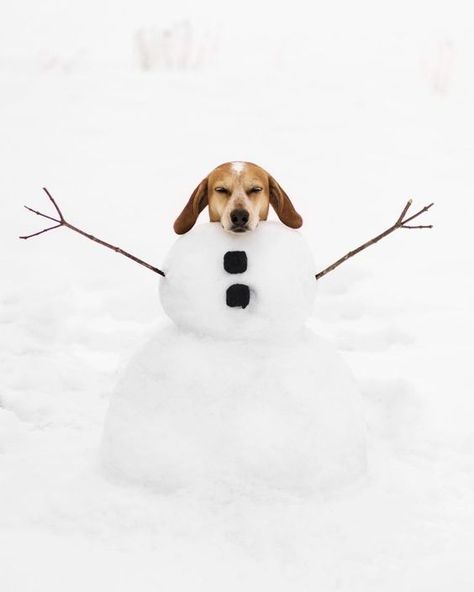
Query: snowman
column 236, row 391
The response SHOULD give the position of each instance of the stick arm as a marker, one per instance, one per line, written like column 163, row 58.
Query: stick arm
column 402, row 222
column 61, row 222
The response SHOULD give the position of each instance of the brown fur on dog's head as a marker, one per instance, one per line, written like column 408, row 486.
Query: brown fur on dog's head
column 238, row 195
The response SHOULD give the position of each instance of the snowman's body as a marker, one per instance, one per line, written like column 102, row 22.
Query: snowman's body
column 237, row 391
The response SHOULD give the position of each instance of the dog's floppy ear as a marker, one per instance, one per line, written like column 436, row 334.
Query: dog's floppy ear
column 282, row 205
column 197, row 202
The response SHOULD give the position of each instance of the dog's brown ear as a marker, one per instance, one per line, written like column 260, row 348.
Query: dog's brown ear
column 282, row 205
column 196, row 203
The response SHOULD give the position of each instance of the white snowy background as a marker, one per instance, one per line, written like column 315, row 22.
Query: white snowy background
column 120, row 108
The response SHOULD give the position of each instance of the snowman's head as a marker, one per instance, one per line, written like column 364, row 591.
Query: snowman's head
column 238, row 195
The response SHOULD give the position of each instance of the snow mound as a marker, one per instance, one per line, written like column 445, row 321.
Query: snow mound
column 196, row 412
column 238, row 393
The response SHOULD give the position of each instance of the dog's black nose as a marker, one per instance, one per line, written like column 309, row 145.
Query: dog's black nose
column 239, row 218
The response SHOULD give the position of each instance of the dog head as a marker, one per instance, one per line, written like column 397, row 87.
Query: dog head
column 238, row 195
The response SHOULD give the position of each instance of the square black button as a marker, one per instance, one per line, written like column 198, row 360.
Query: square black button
column 235, row 261
column 238, row 295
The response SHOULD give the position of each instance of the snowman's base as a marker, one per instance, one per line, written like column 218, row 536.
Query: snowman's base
column 194, row 413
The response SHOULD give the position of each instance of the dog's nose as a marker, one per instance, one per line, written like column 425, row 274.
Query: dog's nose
column 239, row 218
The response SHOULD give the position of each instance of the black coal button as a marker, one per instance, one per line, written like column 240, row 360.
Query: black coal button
column 238, row 295
column 235, row 261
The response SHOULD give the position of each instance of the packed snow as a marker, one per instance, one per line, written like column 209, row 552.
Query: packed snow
column 120, row 109
column 237, row 397
column 279, row 273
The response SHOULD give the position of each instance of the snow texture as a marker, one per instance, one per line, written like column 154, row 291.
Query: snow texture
column 353, row 107
column 237, row 398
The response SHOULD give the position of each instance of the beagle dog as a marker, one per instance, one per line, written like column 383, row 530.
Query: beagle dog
column 238, row 195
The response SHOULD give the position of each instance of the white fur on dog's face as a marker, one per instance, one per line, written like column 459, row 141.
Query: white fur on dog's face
column 238, row 186
column 238, row 166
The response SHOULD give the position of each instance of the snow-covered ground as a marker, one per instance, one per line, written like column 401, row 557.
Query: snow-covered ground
column 120, row 109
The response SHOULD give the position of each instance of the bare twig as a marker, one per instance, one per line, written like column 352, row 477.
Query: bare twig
column 41, row 231
column 61, row 217
column 43, row 215
column 63, row 222
column 425, row 209
column 424, row 226
column 404, row 211
column 400, row 223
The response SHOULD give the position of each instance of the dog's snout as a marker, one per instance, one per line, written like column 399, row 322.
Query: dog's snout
column 239, row 218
